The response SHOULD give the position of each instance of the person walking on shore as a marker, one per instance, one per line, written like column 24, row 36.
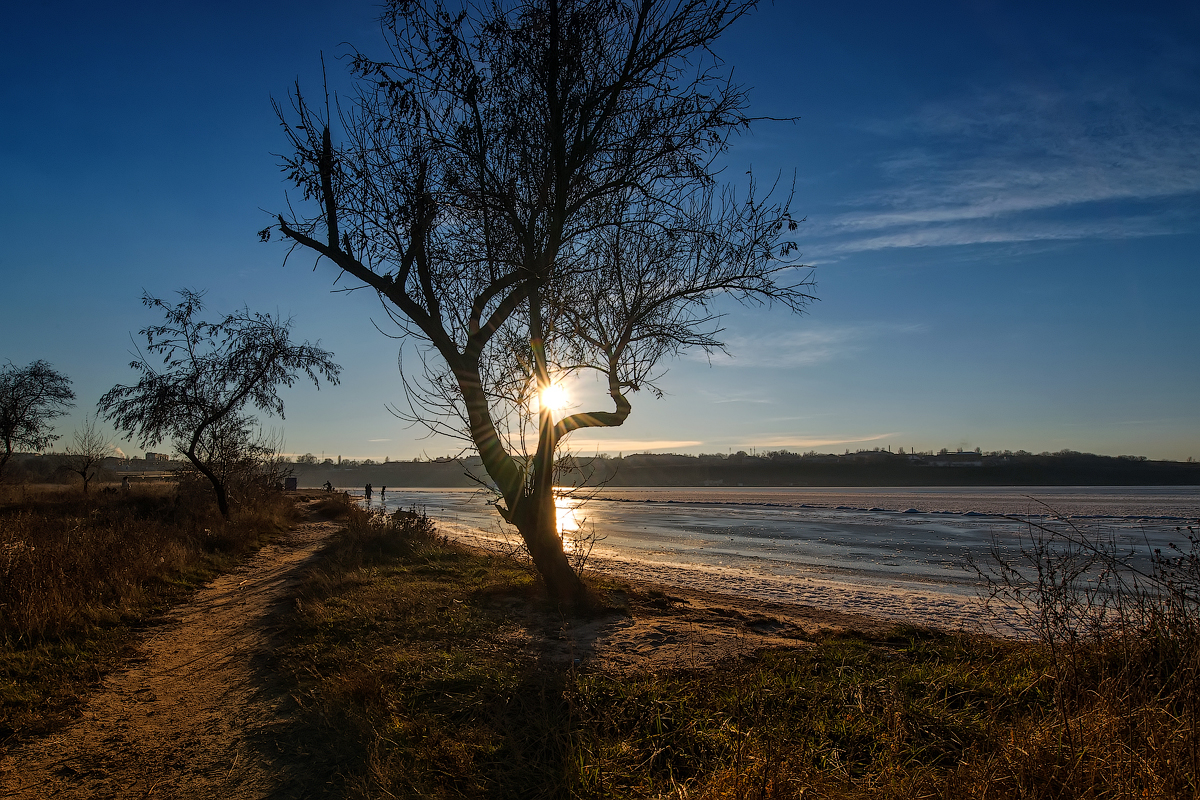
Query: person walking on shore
column 368, row 494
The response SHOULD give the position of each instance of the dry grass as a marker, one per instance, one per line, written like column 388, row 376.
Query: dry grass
column 78, row 574
column 1118, row 633
column 421, row 661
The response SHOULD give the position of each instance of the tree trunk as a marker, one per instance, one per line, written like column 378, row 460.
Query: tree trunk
column 537, row 522
column 222, row 496
column 218, row 486
column 541, row 534
column 529, row 499
column 222, row 499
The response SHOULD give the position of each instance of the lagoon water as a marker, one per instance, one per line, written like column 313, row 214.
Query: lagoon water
column 898, row 553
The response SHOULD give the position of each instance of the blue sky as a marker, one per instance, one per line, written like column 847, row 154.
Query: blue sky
column 1002, row 202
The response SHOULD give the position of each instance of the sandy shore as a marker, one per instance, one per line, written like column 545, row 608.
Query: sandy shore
column 848, row 599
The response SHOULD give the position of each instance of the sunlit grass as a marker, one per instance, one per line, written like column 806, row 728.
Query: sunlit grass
column 424, row 660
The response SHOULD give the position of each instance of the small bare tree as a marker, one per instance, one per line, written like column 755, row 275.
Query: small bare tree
column 211, row 372
column 530, row 188
column 87, row 452
column 29, row 398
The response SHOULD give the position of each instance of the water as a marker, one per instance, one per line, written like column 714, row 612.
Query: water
column 892, row 552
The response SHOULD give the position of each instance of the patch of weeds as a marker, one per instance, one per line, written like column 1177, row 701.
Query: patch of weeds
column 79, row 574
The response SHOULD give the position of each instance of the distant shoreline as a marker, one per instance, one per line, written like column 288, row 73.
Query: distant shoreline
column 874, row 469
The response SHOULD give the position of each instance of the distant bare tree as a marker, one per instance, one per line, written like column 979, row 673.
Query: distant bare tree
column 87, row 452
column 530, row 188
column 211, row 372
column 29, row 398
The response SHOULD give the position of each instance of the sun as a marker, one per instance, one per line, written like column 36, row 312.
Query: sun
column 555, row 397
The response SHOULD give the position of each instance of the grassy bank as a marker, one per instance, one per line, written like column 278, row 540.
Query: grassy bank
column 79, row 574
column 426, row 665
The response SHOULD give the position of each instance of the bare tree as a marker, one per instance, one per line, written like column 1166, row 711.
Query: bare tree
column 211, row 372
column 87, row 452
column 530, row 189
column 29, row 398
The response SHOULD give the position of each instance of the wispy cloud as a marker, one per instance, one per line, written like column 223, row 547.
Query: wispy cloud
column 797, row 418
column 800, row 348
column 1010, row 231
column 378, row 440
column 720, row 398
column 585, row 446
column 1025, row 165
column 799, row 440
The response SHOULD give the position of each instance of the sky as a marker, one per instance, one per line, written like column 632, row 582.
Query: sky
column 1002, row 205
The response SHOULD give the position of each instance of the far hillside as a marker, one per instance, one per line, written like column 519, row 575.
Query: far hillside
column 784, row 468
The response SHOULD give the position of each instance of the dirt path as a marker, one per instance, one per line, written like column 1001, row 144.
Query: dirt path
column 194, row 716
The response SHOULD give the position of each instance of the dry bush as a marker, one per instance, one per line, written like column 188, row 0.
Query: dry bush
column 1118, row 632
column 370, row 538
column 335, row 506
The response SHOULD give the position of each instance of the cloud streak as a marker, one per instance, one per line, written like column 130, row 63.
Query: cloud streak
column 1012, row 231
column 586, row 446
column 798, row 348
column 1025, row 165
column 800, row 440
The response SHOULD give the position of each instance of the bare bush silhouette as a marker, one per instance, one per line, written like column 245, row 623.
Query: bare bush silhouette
column 87, row 452
column 1120, row 629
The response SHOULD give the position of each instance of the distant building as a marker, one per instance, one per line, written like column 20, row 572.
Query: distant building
column 959, row 459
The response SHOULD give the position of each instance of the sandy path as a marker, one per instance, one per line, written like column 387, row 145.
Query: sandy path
column 194, row 716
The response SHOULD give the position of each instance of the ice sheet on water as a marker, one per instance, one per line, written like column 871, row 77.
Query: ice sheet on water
column 890, row 552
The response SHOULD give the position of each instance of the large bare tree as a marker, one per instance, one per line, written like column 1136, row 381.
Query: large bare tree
column 529, row 187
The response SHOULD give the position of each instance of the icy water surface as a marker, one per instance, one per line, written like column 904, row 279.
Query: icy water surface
column 893, row 552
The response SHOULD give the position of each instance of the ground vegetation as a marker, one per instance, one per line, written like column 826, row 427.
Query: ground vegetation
column 412, row 647
column 79, row 575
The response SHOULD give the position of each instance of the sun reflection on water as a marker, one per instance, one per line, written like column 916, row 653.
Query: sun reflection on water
column 570, row 519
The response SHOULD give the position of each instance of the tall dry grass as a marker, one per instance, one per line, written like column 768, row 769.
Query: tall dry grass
column 78, row 574
column 1118, row 634
column 68, row 560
